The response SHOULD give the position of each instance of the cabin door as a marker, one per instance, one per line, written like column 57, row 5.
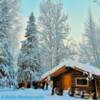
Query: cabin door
column 66, row 81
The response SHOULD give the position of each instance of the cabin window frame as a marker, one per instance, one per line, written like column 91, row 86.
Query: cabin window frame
column 79, row 85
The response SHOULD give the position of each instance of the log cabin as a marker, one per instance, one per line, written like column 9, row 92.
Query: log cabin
column 81, row 80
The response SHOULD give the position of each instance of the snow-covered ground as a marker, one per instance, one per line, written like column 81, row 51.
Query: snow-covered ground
column 31, row 94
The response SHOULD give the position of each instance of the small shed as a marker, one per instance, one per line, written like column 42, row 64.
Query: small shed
column 77, row 79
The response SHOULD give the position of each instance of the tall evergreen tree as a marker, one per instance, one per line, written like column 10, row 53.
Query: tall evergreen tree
column 8, row 22
column 28, row 60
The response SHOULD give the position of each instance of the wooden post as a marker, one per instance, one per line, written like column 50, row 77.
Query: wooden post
column 96, row 89
column 31, row 85
column 25, row 84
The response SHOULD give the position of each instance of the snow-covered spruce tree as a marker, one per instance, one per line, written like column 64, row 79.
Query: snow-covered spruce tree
column 10, row 21
column 54, row 29
column 90, row 46
column 29, row 60
column 8, row 18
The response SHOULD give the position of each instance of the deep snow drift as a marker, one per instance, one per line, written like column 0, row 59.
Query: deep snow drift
column 31, row 94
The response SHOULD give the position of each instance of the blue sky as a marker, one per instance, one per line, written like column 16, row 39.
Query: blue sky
column 77, row 11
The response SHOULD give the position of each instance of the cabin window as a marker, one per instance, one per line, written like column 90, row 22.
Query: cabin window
column 81, row 82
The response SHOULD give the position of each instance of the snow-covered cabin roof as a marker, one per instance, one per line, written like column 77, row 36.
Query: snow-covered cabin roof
column 74, row 64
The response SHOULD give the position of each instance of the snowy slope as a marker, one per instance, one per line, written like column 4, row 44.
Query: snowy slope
column 31, row 94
